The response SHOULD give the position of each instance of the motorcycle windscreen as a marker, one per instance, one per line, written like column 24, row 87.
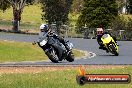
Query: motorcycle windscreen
column 106, row 38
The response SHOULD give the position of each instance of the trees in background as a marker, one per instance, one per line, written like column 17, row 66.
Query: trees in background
column 121, row 4
column 4, row 4
column 122, row 24
column 76, row 6
column 56, row 11
column 129, row 6
column 97, row 13
column 126, row 5
column 18, row 6
column 94, row 13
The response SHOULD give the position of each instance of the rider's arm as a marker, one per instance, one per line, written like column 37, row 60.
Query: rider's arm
column 107, row 33
column 42, row 36
column 114, row 37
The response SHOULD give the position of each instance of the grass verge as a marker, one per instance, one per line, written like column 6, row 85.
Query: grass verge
column 11, row 51
column 60, row 78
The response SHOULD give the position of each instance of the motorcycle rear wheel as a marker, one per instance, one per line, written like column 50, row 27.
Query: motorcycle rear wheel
column 70, row 57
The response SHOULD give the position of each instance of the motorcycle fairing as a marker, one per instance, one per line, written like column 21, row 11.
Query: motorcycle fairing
column 57, row 45
column 106, row 38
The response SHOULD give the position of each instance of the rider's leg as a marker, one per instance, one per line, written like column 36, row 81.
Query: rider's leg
column 63, row 42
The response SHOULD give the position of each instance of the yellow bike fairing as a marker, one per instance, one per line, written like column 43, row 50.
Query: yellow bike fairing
column 106, row 38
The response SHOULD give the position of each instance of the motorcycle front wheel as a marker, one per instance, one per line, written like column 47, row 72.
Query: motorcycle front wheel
column 116, row 54
column 113, row 50
column 52, row 55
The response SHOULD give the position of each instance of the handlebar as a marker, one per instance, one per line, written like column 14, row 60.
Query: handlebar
column 34, row 43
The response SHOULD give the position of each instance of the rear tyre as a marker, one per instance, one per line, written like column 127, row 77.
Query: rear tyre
column 70, row 57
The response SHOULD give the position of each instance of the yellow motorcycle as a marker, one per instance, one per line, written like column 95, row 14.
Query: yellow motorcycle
column 110, row 44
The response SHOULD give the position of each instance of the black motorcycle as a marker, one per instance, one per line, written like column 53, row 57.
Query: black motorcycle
column 55, row 50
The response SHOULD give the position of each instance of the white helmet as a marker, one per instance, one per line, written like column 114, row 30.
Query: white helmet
column 44, row 28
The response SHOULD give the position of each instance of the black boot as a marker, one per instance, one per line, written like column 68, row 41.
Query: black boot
column 103, row 48
column 107, row 51
column 100, row 47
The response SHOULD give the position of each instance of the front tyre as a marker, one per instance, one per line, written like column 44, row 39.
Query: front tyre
column 113, row 50
column 116, row 54
column 52, row 55
column 70, row 57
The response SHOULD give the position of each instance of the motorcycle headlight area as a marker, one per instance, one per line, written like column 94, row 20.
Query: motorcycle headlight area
column 43, row 42
column 70, row 45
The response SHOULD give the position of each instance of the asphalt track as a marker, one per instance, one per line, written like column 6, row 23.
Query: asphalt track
column 100, row 57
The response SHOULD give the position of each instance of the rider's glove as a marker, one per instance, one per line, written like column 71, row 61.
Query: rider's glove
column 34, row 43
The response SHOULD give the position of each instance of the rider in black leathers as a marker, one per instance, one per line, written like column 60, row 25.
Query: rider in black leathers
column 45, row 30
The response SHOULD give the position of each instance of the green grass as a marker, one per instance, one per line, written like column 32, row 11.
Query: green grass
column 30, row 13
column 59, row 79
column 126, row 16
column 23, row 25
column 31, row 17
column 20, row 51
column 16, row 51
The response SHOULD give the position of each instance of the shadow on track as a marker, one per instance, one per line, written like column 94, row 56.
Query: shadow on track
column 106, row 55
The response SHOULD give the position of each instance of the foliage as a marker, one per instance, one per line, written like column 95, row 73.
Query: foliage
column 76, row 6
column 56, row 10
column 121, row 23
column 130, row 6
column 129, row 29
column 96, row 13
column 121, row 4
column 4, row 4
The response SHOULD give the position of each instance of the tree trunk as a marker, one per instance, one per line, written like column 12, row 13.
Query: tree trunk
column 58, row 25
column 16, row 20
